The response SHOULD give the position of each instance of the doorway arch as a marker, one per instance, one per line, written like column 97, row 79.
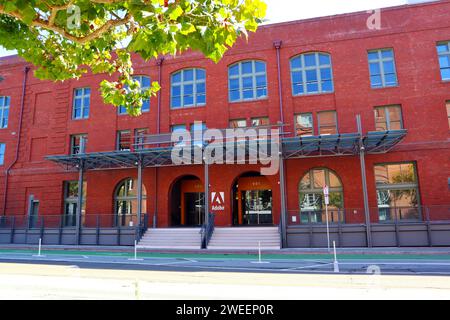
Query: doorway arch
column 252, row 200
column 187, row 202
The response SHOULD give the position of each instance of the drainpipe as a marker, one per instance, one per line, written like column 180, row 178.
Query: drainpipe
column 19, row 134
column 277, row 44
column 159, row 63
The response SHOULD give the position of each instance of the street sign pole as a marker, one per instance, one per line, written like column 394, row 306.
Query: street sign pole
column 327, row 201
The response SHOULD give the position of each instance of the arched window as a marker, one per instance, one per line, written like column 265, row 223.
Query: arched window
column 188, row 88
column 144, row 81
column 247, row 80
column 311, row 73
column 312, row 204
column 126, row 202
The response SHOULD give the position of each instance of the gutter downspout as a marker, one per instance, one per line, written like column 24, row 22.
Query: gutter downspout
column 159, row 63
column 19, row 133
column 277, row 44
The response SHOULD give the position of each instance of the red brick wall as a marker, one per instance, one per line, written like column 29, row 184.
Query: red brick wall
column 411, row 31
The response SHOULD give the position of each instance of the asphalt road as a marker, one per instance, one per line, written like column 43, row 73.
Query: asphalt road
column 23, row 275
column 250, row 264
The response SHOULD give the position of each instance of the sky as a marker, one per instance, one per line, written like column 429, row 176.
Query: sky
column 288, row 10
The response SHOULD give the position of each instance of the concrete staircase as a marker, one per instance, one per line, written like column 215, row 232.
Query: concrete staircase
column 245, row 238
column 171, row 238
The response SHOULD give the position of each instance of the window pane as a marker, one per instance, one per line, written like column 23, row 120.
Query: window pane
column 380, row 119
column 376, row 81
column 312, row 87
column 201, row 99
column 327, row 86
column 391, row 80
column 445, row 73
column 188, row 89
column 201, row 88
column 334, row 180
column 188, row 100
column 176, row 91
column 297, row 77
column 247, row 67
column 248, row 94
column 388, row 67
column 86, row 112
column 375, row 68
column 298, row 89
column 234, row 84
column 260, row 66
column 261, row 81
column 146, row 105
column 296, row 63
column 234, row 95
column 324, row 59
column 188, row 75
column 387, row 54
column 310, row 60
column 247, row 83
column 200, row 74
column 325, row 74
column 373, row 55
column 261, row 92
column 442, row 47
column 234, row 70
column 304, row 124
column 241, row 123
column 311, row 75
column 145, row 82
column 444, row 61
column 176, row 77
column 319, row 178
column 327, row 122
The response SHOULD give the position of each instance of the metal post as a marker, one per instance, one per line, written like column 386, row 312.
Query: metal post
column 139, row 194
column 283, row 202
column 80, row 200
column 364, row 182
column 206, row 193
column 328, row 227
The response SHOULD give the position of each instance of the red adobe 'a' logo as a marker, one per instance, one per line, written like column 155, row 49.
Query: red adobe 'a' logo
column 218, row 201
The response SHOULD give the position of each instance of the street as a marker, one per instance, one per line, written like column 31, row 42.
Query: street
column 25, row 275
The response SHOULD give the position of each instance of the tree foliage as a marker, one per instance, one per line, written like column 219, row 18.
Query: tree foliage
column 65, row 39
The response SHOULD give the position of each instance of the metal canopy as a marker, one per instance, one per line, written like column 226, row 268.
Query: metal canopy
column 326, row 145
column 382, row 141
column 292, row 148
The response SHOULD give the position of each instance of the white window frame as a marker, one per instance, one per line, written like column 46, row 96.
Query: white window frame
column 380, row 61
column 182, row 83
column 83, row 107
column 240, row 77
column 387, row 114
column 83, row 142
column 4, row 106
column 443, row 54
column 2, row 153
column 318, row 67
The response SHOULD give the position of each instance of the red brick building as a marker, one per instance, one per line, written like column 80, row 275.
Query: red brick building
column 313, row 76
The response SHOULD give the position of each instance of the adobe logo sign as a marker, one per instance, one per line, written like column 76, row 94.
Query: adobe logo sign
column 217, row 201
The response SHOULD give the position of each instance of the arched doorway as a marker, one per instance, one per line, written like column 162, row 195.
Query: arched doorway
column 187, row 202
column 311, row 199
column 252, row 200
column 126, row 202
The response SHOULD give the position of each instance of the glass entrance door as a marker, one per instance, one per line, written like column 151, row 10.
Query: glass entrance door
column 194, row 208
column 257, row 207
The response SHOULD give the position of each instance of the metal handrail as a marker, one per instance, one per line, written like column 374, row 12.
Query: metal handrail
column 207, row 230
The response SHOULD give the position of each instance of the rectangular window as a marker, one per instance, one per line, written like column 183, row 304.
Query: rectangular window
column 388, row 118
column 448, row 113
column 238, row 123
column 124, row 140
column 382, row 68
column 78, row 144
column 139, row 138
column 81, row 103
column 71, row 203
column 397, row 192
column 4, row 111
column 260, row 122
column 327, row 122
column 197, row 129
column 304, row 124
column 443, row 49
column 2, row 153
column 178, row 127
